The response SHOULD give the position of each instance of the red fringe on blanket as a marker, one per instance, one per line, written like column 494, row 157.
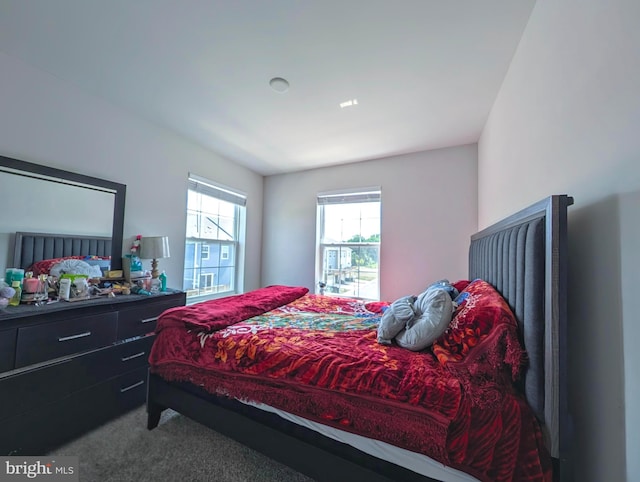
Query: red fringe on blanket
column 415, row 430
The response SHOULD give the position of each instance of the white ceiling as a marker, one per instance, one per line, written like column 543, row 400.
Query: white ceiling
column 425, row 72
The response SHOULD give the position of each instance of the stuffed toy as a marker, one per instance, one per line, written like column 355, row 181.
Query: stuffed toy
column 135, row 246
column 6, row 293
column 447, row 286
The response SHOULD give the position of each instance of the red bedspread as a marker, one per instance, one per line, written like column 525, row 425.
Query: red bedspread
column 317, row 357
column 216, row 314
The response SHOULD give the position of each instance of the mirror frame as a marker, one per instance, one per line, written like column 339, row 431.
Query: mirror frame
column 120, row 190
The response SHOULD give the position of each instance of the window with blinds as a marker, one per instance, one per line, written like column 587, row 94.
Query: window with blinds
column 348, row 241
column 215, row 221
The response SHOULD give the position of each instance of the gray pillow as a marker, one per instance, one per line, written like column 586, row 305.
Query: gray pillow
column 434, row 309
column 395, row 318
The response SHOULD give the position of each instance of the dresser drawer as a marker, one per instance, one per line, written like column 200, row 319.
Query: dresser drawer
column 37, row 387
column 140, row 321
column 39, row 431
column 7, row 349
column 130, row 389
column 61, row 338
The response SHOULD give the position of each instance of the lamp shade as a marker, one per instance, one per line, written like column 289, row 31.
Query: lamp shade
column 154, row 247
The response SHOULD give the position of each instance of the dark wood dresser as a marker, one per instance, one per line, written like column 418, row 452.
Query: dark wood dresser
column 68, row 367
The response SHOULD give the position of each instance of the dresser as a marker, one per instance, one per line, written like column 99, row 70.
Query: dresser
column 68, row 367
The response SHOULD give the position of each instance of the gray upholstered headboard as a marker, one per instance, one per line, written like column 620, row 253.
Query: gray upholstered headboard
column 524, row 258
column 32, row 247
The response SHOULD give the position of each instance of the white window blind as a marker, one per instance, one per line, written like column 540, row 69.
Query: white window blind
column 359, row 196
column 208, row 188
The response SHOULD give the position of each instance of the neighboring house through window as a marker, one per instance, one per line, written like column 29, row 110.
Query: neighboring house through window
column 214, row 240
column 348, row 254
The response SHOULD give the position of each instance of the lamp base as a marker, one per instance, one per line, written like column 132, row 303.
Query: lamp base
column 154, row 269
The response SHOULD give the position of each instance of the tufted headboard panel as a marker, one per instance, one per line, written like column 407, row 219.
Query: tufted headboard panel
column 32, row 247
column 524, row 258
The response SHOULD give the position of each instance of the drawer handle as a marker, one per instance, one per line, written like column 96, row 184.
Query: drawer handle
column 149, row 320
column 74, row 337
column 131, row 387
column 131, row 357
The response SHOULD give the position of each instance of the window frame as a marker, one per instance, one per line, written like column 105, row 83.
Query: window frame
column 352, row 196
column 205, row 187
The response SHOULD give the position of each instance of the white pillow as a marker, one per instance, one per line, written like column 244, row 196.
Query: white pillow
column 75, row 266
column 436, row 309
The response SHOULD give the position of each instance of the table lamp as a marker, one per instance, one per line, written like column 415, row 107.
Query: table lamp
column 154, row 248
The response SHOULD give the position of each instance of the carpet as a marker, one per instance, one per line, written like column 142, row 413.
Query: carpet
column 178, row 450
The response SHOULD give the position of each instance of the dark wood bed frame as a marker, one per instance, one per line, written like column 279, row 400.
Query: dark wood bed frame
column 525, row 257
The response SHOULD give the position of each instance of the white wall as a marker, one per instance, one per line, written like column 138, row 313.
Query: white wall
column 46, row 121
column 428, row 214
column 566, row 121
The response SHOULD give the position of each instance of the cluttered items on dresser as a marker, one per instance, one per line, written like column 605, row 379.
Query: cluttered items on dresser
column 68, row 279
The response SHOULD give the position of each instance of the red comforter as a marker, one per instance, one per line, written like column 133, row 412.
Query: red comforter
column 317, row 357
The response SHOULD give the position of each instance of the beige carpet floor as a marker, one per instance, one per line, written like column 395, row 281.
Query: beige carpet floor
column 178, row 450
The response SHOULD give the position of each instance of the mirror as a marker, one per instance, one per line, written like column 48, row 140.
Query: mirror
column 43, row 199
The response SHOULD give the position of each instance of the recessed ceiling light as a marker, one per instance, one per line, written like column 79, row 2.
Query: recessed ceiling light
column 349, row 103
column 279, row 84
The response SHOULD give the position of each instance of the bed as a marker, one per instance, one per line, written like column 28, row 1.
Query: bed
column 433, row 433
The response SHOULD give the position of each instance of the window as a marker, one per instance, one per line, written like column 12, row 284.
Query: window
column 348, row 256
column 213, row 250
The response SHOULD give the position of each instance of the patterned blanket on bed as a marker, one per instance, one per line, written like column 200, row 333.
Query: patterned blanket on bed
column 318, row 357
